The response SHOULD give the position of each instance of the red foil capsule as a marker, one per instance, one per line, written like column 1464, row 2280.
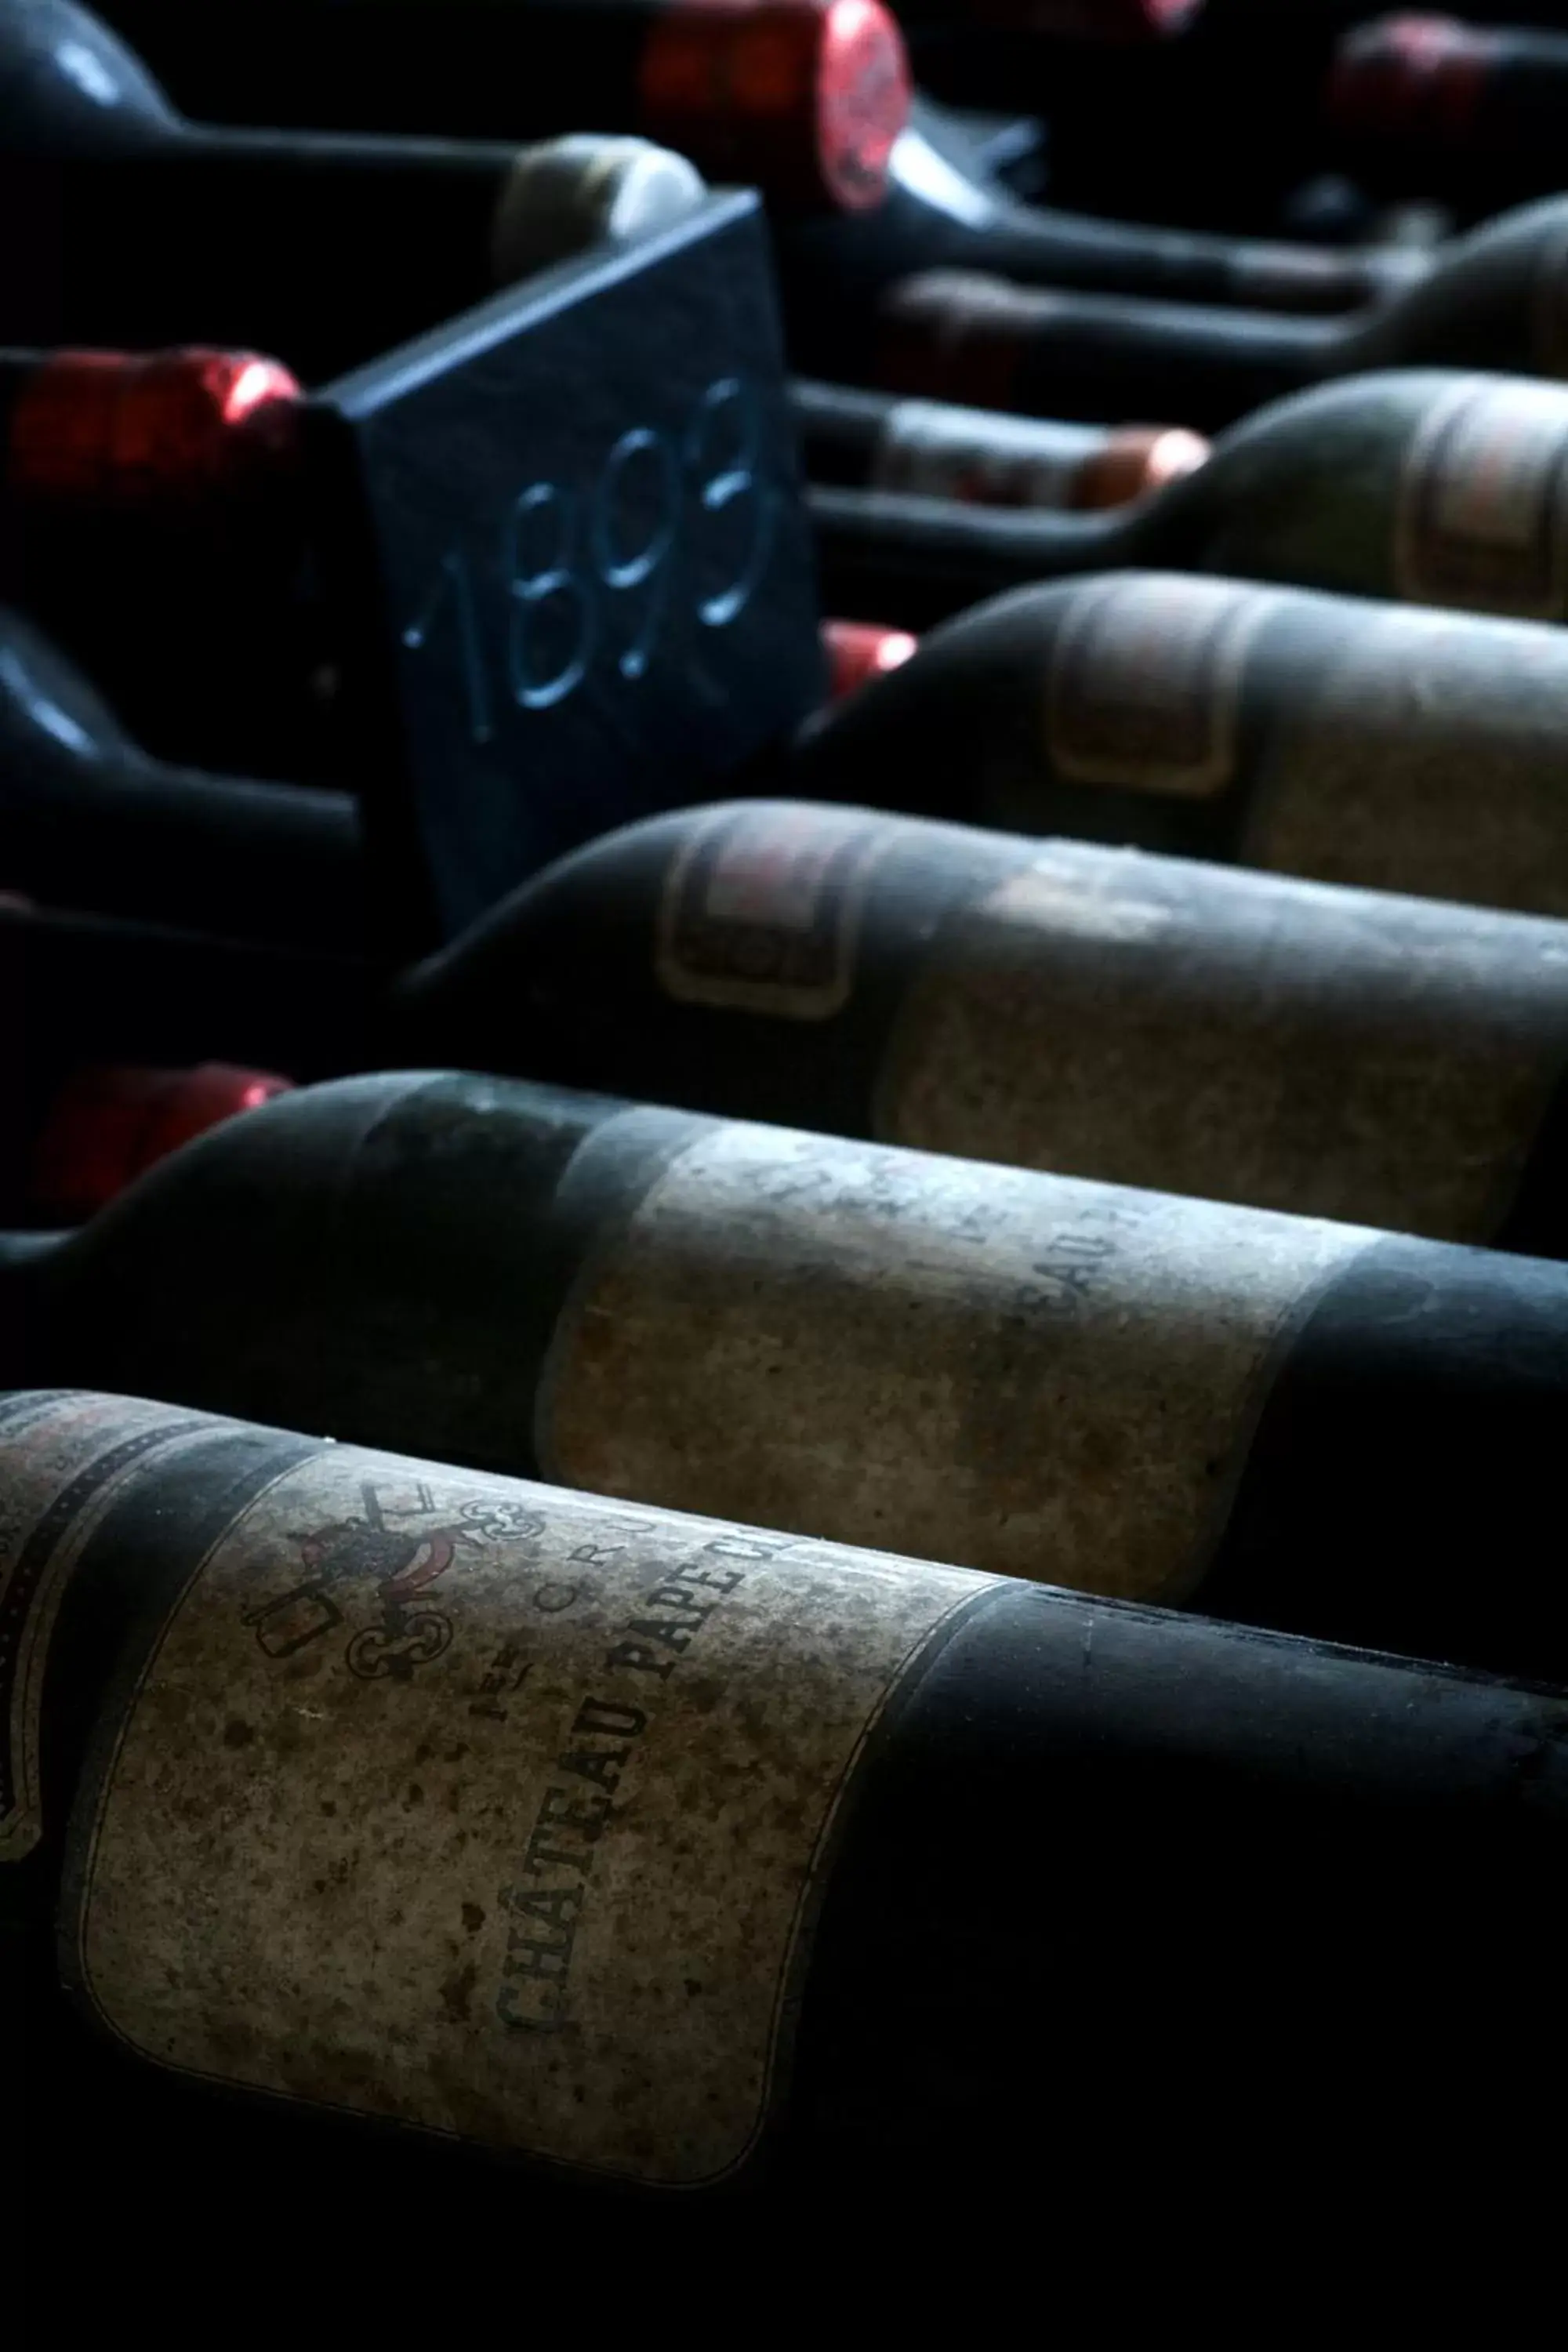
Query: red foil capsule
column 804, row 97
column 1409, row 76
column 131, row 432
column 858, row 651
column 107, row 1125
column 1135, row 461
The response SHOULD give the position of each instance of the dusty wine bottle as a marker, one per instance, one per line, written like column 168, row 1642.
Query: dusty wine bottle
column 1094, row 1012
column 1460, row 108
column 1391, row 1060
column 1495, row 297
column 386, row 1789
column 1384, row 746
column 110, row 178
column 1431, row 487
column 870, row 440
column 88, row 821
column 942, row 211
column 1295, row 1423
column 802, row 98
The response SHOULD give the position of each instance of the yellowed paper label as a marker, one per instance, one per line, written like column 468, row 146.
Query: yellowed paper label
column 1426, row 755
column 1326, row 1052
column 1047, row 1379
column 1145, row 683
column 68, row 1462
column 761, row 909
column 489, row 1809
column 1481, row 519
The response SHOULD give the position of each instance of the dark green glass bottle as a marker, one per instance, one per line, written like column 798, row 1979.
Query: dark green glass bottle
column 1430, row 486
column 1496, row 298
column 594, row 1836
column 1353, row 742
column 1308, row 1425
column 1057, row 1006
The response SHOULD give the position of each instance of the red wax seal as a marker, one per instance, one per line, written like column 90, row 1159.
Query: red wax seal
column 858, row 651
column 1409, row 77
column 802, row 99
column 128, row 431
column 107, row 1125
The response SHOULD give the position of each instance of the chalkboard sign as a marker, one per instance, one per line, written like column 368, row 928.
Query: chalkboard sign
column 569, row 559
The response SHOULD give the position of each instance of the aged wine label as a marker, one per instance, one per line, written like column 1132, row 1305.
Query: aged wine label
column 982, row 456
column 1480, row 521
column 1179, row 1026
column 1423, row 755
column 487, row 1808
column 1047, row 1379
column 67, row 1459
column 761, row 909
column 1145, row 682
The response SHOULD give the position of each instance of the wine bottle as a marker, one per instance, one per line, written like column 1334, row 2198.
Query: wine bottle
column 374, row 1786
column 868, row 440
column 1496, row 298
column 1381, row 746
column 1390, row 1060
column 88, row 821
column 1462, row 108
column 1304, row 1424
column 944, row 211
column 106, row 1126
column 1433, row 487
column 1057, row 1006
column 802, row 98
column 111, row 179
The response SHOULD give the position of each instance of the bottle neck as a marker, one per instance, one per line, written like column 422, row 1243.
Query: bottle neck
column 984, row 343
column 948, row 220
column 915, row 562
column 288, row 225
column 1093, row 355
column 117, row 834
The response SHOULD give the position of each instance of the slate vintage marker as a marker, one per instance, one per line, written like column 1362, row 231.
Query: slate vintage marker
column 570, row 560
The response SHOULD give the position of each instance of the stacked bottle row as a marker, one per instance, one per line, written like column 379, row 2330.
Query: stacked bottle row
column 920, row 1304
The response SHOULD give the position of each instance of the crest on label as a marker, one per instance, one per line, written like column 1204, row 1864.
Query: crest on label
column 761, row 912
column 1145, row 684
column 373, row 1571
column 1481, row 519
